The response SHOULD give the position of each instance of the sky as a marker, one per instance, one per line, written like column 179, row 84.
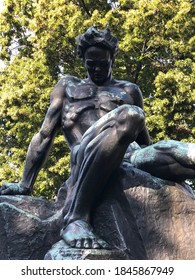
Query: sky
column 1, row 6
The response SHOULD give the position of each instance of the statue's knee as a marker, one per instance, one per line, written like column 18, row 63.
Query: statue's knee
column 128, row 114
column 130, row 120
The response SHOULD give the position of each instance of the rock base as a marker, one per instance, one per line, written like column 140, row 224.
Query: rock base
column 29, row 226
column 140, row 216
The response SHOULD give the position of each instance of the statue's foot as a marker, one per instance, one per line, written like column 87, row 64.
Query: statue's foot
column 79, row 234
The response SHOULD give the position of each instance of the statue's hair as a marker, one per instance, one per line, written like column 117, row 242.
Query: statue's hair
column 97, row 38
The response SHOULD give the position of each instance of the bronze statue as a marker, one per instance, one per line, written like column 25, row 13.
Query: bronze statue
column 104, row 124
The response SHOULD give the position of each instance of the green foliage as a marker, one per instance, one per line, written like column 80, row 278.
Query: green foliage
column 37, row 40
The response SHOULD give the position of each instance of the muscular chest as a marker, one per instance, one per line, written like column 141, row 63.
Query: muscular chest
column 89, row 103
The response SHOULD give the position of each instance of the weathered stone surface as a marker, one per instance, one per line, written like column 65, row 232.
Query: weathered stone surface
column 164, row 213
column 166, row 221
column 28, row 227
column 142, row 217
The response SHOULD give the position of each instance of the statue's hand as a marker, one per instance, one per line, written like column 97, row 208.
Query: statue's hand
column 13, row 189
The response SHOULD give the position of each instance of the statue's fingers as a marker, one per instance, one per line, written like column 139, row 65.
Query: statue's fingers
column 4, row 186
column 3, row 189
column 6, row 191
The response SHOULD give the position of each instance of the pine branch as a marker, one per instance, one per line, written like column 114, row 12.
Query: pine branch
column 85, row 7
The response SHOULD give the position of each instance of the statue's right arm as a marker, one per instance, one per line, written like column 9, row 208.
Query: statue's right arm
column 39, row 146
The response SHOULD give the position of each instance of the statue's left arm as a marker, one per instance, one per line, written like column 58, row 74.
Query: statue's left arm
column 134, row 91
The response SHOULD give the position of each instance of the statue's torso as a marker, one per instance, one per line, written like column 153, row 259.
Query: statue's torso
column 85, row 103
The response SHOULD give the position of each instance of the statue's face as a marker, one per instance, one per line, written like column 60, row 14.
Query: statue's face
column 98, row 64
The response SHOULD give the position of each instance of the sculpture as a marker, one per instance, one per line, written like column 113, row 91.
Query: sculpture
column 104, row 124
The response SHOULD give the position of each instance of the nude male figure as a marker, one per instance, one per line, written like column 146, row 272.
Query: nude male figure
column 101, row 117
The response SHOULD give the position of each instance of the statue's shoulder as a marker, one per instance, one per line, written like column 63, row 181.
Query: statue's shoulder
column 76, row 88
column 62, row 85
column 133, row 90
column 129, row 87
column 68, row 79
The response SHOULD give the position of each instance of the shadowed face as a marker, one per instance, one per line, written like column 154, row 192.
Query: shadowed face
column 98, row 64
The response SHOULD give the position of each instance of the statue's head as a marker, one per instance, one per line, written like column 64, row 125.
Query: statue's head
column 97, row 38
column 98, row 50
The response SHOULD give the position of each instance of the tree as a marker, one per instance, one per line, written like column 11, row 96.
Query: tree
column 37, row 39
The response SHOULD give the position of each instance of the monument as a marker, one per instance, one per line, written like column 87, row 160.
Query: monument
column 103, row 122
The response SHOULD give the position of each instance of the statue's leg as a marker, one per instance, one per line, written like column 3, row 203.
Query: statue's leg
column 100, row 153
column 167, row 159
